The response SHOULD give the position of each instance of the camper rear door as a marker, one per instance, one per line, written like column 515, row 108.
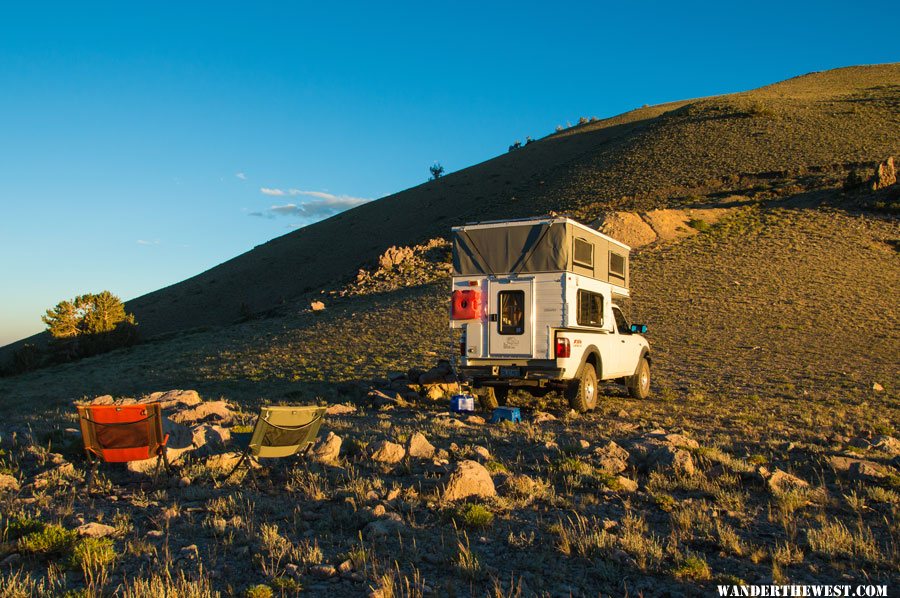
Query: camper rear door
column 511, row 320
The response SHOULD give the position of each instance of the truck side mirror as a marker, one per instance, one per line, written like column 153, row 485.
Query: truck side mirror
column 639, row 328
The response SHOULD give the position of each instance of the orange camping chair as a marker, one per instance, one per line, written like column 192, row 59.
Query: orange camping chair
column 122, row 433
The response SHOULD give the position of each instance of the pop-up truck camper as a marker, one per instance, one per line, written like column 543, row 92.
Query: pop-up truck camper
column 536, row 302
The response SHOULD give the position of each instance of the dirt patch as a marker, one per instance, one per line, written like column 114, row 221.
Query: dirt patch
column 627, row 227
column 674, row 225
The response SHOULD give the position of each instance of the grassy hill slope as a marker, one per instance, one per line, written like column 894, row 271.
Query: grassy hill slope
column 651, row 157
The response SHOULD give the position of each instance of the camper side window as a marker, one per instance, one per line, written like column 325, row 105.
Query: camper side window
column 512, row 312
column 590, row 309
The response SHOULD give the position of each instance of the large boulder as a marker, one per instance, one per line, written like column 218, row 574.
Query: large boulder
column 419, row 447
column 174, row 399
column 885, row 175
column 780, row 482
column 328, row 449
column 387, row 452
column 469, row 478
column 95, row 530
column 214, row 411
column 659, row 451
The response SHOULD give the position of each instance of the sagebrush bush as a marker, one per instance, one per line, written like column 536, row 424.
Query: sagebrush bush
column 51, row 540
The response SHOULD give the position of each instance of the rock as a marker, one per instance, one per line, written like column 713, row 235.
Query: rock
column 394, row 256
column 867, row 471
column 189, row 553
column 393, row 494
column 780, row 482
column 322, row 571
column 540, row 417
column 11, row 560
column 95, row 530
column 440, row 373
column 611, row 449
column 345, row 567
column 626, row 484
column 317, row 306
column 482, row 453
column 174, row 399
column 419, row 447
column 469, row 478
column 475, row 420
column 387, row 452
column 217, row 411
column 8, row 483
column 886, row 444
column 379, row 511
column 390, row 525
column 877, row 387
column 583, row 444
column 680, row 441
column 208, row 438
column 226, row 461
column 885, row 175
column 612, row 465
column 103, row 400
column 339, row 409
column 328, row 450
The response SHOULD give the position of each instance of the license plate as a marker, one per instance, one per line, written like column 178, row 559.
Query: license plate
column 510, row 372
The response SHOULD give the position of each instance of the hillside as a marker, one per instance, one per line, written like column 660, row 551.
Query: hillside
column 815, row 126
column 768, row 451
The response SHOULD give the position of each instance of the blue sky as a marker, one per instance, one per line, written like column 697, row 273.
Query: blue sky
column 143, row 143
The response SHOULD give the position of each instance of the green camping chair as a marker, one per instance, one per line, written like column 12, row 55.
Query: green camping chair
column 281, row 432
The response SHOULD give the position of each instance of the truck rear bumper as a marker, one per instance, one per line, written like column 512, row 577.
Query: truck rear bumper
column 510, row 373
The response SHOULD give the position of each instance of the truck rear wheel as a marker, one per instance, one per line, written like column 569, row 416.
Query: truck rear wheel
column 492, row 397
column 582, row 393
column 639, row 383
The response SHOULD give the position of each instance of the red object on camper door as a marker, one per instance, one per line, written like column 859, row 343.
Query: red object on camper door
column 466, row 305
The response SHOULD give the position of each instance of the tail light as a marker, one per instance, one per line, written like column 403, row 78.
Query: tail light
column 466, row 305
column 563, row 349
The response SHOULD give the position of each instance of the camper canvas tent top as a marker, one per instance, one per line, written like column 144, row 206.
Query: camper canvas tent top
column 537, row 245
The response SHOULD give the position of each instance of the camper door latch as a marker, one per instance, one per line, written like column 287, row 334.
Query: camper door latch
column 492, row 317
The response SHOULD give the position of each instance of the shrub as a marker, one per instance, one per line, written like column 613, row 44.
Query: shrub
column 693, row 567
column 13, row 529
column 52, row 540
column 259, row 591
column 697, row 224
column 436, row 170
column 475, row 515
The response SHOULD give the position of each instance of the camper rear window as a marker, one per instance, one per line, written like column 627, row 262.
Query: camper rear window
column 590, row 309
column 584, row 253
column 512, row 312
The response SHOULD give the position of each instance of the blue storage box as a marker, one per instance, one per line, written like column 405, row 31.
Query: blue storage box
column 462, row 403
column 509, row 414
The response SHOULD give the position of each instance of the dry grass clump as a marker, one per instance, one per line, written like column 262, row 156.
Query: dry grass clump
column 833, row 538
column 166, row 584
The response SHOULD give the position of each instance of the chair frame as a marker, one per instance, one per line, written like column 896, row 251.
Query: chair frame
column 157, row 440
column 249, row 455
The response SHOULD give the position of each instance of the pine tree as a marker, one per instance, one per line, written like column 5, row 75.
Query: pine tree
column 63, row 320
column 102, row 312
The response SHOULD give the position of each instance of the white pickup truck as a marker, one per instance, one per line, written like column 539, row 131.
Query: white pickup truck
column 535, row 300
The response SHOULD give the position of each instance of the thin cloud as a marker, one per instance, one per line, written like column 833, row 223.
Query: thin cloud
column 268, row 191
column 145, row 242
column 320, row 206
column 241, row 176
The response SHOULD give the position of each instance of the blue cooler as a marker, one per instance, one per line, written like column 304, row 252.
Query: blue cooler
column 462, row 403
column 509, row 414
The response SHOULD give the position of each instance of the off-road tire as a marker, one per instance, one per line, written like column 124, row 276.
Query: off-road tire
column 492, row 397
column 582, row 393
column 639, row 383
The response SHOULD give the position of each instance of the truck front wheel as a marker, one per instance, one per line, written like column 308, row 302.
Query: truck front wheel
column 582, row 393
column 492, row 397
column 639, row 383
